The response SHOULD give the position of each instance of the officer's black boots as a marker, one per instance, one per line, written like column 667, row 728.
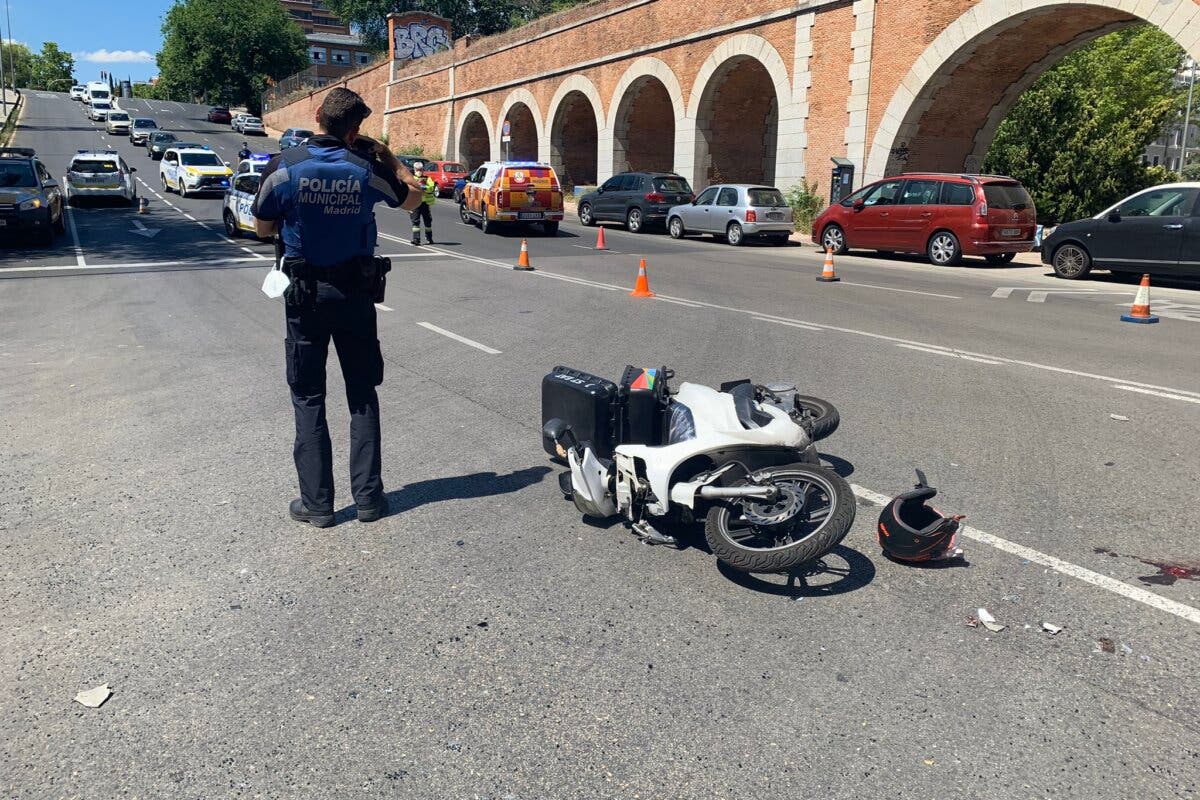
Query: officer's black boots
column 372, row 513
column 299, row 512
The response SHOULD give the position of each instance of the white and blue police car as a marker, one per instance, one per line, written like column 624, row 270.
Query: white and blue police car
column 238, row 200
column 191, row 170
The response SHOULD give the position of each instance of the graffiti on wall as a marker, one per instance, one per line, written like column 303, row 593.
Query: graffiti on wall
column 418, row 40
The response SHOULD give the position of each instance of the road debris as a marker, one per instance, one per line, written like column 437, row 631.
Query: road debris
column 1051, row 629
column 1118, row 417
column 1107, row 645
column 972, row 621
column 94, row 698
column 989, row 621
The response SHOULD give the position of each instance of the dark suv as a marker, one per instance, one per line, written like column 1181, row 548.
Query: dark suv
column 636, row 198
column 30, row 201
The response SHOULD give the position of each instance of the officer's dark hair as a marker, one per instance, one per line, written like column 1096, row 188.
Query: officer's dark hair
column 342, row 112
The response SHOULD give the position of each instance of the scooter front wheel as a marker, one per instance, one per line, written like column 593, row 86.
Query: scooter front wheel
column 811, row 515
column 820, row 417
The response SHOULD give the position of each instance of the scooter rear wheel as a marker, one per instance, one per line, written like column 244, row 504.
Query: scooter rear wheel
column 812, row 515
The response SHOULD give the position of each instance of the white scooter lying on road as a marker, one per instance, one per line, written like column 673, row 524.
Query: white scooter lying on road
column 742, row 458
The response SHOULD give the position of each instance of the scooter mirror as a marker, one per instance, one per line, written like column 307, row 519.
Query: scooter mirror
column 559, row 432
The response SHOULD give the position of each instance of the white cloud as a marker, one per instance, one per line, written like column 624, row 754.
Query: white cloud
column 103, row 56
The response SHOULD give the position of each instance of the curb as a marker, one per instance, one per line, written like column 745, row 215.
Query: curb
column 15, row 115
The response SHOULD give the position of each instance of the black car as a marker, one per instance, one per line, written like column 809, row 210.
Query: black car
column 31, row 204
column 160, row 142
column 636, row 198
column 1155, row 231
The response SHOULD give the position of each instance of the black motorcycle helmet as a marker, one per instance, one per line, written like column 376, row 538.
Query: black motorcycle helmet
column 909, row 530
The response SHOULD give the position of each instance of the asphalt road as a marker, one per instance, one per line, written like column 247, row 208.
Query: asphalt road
column 485, row 642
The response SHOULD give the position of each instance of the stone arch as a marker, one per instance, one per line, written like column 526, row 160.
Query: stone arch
column 574, row 123
column 522, row 108
column 737, row 139
column 475, row 140
column 635, row 139
column 945, row 111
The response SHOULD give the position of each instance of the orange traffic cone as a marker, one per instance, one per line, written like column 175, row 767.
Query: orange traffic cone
column 642, row 287
column 827, row 274
column 1140, row 310
column 523, row 259
column 600, row 245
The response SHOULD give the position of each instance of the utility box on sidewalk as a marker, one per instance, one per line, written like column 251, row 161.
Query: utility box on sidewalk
column 841, row 182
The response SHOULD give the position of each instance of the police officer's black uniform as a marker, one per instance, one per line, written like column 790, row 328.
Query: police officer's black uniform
column 323, row 196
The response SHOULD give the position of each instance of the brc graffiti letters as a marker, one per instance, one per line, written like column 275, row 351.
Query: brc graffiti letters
column 418, row 40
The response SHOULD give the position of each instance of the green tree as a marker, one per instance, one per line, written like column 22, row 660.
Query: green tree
column 228, row 51
column 1076, row 137
column 369, row 17
column 51, row 68
column 21, row 59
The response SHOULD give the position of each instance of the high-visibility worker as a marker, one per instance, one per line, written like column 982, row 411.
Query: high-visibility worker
column 423, row 212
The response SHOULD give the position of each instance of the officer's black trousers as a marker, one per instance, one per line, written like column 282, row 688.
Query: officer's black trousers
column 348, row 317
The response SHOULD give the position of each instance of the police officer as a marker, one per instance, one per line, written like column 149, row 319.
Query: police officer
column 319, row 197
column 244, row 153
column 429, row 195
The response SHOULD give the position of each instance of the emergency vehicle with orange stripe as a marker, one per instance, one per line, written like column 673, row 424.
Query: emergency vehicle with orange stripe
column 512, row 192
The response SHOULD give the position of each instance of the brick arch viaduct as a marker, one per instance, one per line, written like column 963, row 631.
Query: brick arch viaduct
column 745, row 90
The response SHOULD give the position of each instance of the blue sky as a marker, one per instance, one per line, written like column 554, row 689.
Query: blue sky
column 120, row 36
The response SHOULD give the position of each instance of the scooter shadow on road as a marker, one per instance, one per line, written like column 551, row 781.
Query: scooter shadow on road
column 456, row 487
column 820, row 578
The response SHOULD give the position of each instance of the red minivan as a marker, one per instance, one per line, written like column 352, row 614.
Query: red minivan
column 444, row 174
column 944, row 216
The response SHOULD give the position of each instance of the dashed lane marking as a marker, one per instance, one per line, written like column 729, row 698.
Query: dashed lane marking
column 382, row 307
column 457, row 338
column 800, row 325
column 1113, row 585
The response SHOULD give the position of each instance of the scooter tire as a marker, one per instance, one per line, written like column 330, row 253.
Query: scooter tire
column 825, row 418
column 787, row 557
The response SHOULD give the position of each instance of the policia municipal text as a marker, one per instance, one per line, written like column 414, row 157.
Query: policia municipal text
column 320, row 197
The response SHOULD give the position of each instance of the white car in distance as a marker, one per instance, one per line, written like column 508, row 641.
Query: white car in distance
column 98, row 110
column 117, row 122
column 99, row 173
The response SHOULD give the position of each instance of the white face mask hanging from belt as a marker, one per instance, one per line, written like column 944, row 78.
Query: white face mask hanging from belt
column 276, row 283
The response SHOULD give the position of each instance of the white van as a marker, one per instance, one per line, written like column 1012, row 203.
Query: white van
column 97, row 90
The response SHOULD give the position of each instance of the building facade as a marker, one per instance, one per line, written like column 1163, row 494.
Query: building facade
column 333, row 50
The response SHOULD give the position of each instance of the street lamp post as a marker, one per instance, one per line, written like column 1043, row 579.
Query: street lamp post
column 1187, row 117
column 3, row 89
column 12, row 73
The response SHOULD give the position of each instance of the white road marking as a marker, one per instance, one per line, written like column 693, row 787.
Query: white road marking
column 79, row 261
column 1167, row 395
column 1113, row 585
column 118, row 265
column 457, row 338
column 382, row 307
column 941, row 351
column 674, row 301
column 580, row 281
column 905, row 291
column 789, row 324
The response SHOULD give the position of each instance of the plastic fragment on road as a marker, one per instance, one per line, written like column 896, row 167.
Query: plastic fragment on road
column 972, row 621
column 988, row 620
column 94, row 698
column 1119, row 417
column 1051, row 629
column 929, row 762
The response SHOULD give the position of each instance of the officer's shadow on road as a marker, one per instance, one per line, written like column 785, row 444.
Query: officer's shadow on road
column 457, row 487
